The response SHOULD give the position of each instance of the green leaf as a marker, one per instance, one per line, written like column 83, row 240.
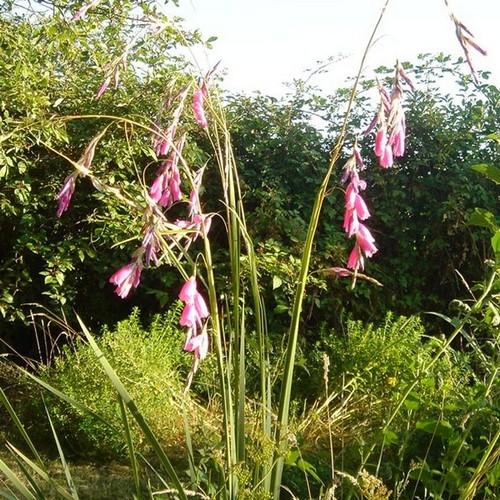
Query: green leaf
column 494, row 137
column 16, row 482
column 390, row 437
column 439, row 427
column 64, row 464
column 482, row 218
column 495, row 242
column 309, row 469
column 490, row 171
column 412, row 402
column 40, row 472
column 277, row 282
column 281, row 308
column 292, row 457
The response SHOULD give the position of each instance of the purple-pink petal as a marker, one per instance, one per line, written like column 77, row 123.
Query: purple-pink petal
column 188, row 290
column 198, row 110
column 65, row 194
column 126, row 278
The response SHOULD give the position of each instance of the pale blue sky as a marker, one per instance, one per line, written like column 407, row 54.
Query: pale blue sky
column 264, row 43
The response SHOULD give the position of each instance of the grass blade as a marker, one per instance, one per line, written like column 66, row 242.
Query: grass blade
column 127, row 400
column 68, row 399
column 16, row 482
column 130, row 447
column 29, row 477
column 189, row 445
column 67, row 473
column 43, row 474
column 7, row 495
column 19, row 425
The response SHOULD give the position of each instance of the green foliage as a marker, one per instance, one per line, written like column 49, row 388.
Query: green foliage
column 439, row 434
column 50, row 69
column 383, row 360
column 151, row 364
column 420, row 208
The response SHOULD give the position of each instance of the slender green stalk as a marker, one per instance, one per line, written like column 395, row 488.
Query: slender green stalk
column 286, row 387
column 62, row 458
column 239, row 339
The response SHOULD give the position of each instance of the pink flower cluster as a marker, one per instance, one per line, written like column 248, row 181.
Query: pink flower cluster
column 127, row 277
column 355, row 212
column 391, row 132
column 65, row 194
column 163, row 193
column 166, row 188
column 194, row 312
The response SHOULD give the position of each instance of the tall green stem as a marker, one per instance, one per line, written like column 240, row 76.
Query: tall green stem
column 286, row 387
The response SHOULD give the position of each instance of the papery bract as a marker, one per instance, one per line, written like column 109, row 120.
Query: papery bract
column 151, row 246
column 356, row 259
column 103, row 87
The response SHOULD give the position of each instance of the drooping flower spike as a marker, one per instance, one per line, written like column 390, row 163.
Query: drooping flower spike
column 390, row 119
column 82, row 168
column 65, row 194
column 198, row 344
column 163, row 141
column 151, row 245
column 82, row 11
column 112, row 70
column 198, row 106
column 195, row 308
column 166, row 188
column 466, row 40
column 356, row 210
column 194, row 195
column 199, row 95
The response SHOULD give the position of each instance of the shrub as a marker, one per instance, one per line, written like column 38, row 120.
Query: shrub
column 151, row 364
column 438, row 435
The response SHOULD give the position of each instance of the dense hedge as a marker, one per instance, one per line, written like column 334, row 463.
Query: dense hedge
column 420, row 208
